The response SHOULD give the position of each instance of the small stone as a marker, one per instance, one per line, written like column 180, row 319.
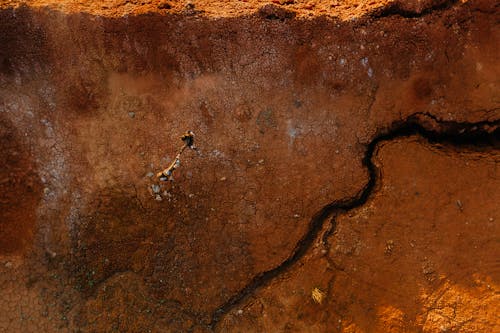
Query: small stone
column 296, row 216
column 155, row 188
column 191, row 195
column 46, row 190
column 8, row 264
column 491, row 219
column 240, row 312
column 261, row 161
column 150, row 174
column 158, row 197
column 223, row 179
column 317, row 295
column 389, row 247
column 131, row 114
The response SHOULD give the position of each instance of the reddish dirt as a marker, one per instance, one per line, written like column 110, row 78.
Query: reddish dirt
column 21, row 191
column 344, row 9
column 397, row 263
column 284, row 98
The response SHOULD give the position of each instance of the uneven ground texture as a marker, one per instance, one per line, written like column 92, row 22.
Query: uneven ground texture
column 348, row 151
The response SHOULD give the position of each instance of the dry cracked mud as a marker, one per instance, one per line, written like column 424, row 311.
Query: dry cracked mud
column 348, row 150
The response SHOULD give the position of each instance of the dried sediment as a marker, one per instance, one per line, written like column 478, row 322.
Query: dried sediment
column 284, row 98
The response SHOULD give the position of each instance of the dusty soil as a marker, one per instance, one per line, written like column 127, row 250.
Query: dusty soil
column 349, row 149
column 20, row 189
column 397, row 263
column 344, row 9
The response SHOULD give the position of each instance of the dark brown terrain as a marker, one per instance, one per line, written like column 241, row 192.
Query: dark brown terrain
column 347, row 178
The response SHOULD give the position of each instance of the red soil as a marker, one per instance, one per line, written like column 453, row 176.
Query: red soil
column 284, row 98
column 21, row 191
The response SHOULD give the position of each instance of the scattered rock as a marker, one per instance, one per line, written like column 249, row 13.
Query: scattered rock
column 317, row 295
column 131, row 114
column 155, row 188
column 389, row 246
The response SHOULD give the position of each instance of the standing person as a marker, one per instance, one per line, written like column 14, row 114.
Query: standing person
column 188, row 139
column 167, row 174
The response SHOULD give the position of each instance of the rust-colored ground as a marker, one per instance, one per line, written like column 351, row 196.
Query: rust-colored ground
column 397, row 263
column 20, row 189
column 348, row 149
column 344, row 9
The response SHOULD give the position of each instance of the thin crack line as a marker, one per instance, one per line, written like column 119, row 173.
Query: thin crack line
column 479, row 134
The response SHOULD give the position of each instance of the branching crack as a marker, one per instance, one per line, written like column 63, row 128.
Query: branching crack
column 484, row 134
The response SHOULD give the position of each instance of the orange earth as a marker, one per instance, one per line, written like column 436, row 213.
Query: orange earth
column 346, row 180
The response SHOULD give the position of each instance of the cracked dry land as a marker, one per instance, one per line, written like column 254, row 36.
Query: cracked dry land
column 351, row 149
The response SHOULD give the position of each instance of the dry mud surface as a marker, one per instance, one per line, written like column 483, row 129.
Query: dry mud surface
column 346, row 180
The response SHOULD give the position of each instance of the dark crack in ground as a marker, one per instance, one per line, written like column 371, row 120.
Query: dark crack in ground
column 479, row 135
